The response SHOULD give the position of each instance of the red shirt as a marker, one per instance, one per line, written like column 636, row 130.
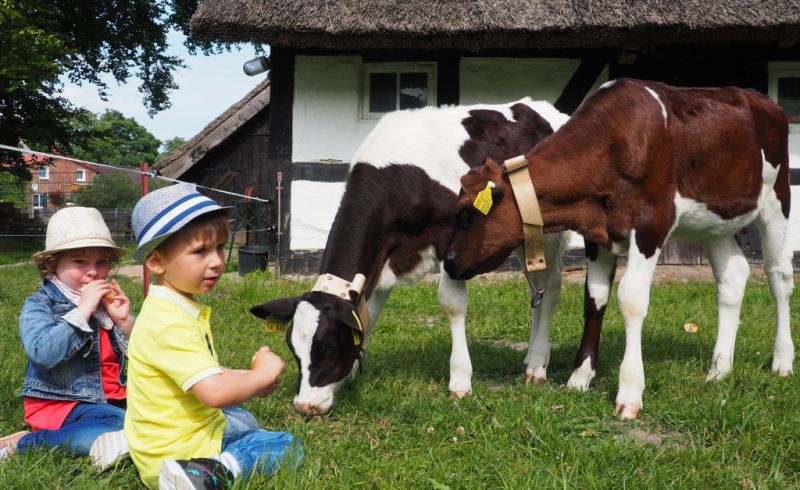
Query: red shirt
column 42, row 414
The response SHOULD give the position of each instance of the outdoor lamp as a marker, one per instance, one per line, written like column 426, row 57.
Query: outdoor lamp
column 256, row 66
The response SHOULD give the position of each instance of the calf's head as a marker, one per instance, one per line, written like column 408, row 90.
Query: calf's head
column 326, row 341
column 482, row 241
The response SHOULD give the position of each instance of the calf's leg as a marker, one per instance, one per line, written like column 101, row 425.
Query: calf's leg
column 730, row 272
column 453, row 300
column 538, row 355
column 777, row 254
column 600, row 269
column 634, row 298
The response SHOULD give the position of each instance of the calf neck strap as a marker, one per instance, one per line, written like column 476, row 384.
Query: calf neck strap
column 341, row 288
column 532, row 223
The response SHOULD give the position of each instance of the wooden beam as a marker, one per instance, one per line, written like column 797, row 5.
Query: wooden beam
column 218, row 135
column 279, row 158
column 580, row 84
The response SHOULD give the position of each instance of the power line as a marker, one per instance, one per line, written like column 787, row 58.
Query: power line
column 152, row 174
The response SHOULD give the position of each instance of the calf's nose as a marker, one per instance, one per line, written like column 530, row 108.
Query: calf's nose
column 308, row 409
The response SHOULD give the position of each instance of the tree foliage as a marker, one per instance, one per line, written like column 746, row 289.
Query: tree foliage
column 43, row 40
column 168, row 146
column 114, row 190
column 110, row 138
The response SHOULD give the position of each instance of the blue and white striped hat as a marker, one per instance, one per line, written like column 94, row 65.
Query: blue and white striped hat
column 161, row 213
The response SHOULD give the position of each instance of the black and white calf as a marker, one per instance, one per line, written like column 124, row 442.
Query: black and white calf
column 395, row 223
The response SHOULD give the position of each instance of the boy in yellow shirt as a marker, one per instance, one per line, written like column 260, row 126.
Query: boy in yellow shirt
column 180, row 426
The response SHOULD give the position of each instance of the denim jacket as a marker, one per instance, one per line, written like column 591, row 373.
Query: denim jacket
column 63, row 349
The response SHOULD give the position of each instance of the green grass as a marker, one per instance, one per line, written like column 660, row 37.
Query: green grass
column 396, row 428
column 14, row 252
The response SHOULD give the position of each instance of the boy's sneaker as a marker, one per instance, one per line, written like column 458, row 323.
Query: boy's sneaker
column 8, row 444
column 109, row 448
column 194, row 474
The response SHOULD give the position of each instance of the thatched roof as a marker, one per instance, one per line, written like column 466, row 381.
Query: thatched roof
column 181, row 159
column 475, row 25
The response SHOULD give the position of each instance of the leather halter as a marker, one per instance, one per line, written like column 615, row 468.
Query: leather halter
column 532, row 223
column 341, row 288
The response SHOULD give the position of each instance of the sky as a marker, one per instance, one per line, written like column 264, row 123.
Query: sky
column 207, row 87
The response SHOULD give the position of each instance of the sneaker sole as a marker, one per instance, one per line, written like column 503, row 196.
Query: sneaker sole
column 5, row 450
column 172, row 477
column 108, row 449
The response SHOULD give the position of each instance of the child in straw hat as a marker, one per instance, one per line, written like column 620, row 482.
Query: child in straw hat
column 74, row 331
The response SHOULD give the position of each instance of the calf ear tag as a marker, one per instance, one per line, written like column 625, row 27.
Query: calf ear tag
column 271, row 325
column 356, row 336
column 483, row 201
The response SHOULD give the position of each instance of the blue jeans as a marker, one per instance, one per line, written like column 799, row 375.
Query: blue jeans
column 82, row 426
column 257, row 449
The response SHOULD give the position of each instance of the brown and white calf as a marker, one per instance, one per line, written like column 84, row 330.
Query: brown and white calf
column 637, row 163
column 394, row 224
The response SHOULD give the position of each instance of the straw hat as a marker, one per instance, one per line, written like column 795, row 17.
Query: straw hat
column 76, row 227
column 163, row 212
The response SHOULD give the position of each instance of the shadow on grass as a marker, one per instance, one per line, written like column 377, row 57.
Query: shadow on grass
column 499, row 367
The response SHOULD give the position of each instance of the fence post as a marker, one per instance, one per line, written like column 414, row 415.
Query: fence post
column 145, row 272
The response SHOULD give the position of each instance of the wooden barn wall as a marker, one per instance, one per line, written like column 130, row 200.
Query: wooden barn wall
column 239, row 163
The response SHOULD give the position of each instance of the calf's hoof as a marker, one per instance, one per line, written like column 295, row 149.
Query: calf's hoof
column 537, row 380
column 458, row 395
column 627, row 412
column 782, row 368
column 715, row 374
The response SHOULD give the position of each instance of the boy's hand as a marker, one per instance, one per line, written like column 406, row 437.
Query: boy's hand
column 270, row 366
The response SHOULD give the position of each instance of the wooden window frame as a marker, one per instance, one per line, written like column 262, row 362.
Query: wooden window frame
column 427, row 67
column 776, row 71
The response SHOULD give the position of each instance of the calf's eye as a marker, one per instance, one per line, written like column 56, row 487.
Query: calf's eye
column 464, row 218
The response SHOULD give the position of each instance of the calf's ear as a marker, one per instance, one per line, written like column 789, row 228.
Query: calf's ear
column 279, row 309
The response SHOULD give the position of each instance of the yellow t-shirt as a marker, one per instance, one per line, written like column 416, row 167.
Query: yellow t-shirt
column 171, row 349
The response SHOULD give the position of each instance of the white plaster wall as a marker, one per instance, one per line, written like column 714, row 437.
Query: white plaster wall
column 794, row 162
column 314, row 206
column 326, row 115
column 497, row 80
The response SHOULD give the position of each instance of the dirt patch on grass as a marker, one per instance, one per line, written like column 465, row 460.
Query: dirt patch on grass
column 656, row 436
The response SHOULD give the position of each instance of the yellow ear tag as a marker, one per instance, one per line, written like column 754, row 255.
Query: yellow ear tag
column 274, row 326
column 483, row 201
column 356, row 338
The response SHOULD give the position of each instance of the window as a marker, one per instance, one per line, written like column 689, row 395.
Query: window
column 40, row 201
column 70, row 199
column 44, row 173
column 394, row 86
column 80, row 175
column 784, row 88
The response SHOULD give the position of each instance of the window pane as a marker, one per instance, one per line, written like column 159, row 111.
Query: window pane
column 42, row 172
column 789, row 97
column 382, row 92
column 413, row 90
